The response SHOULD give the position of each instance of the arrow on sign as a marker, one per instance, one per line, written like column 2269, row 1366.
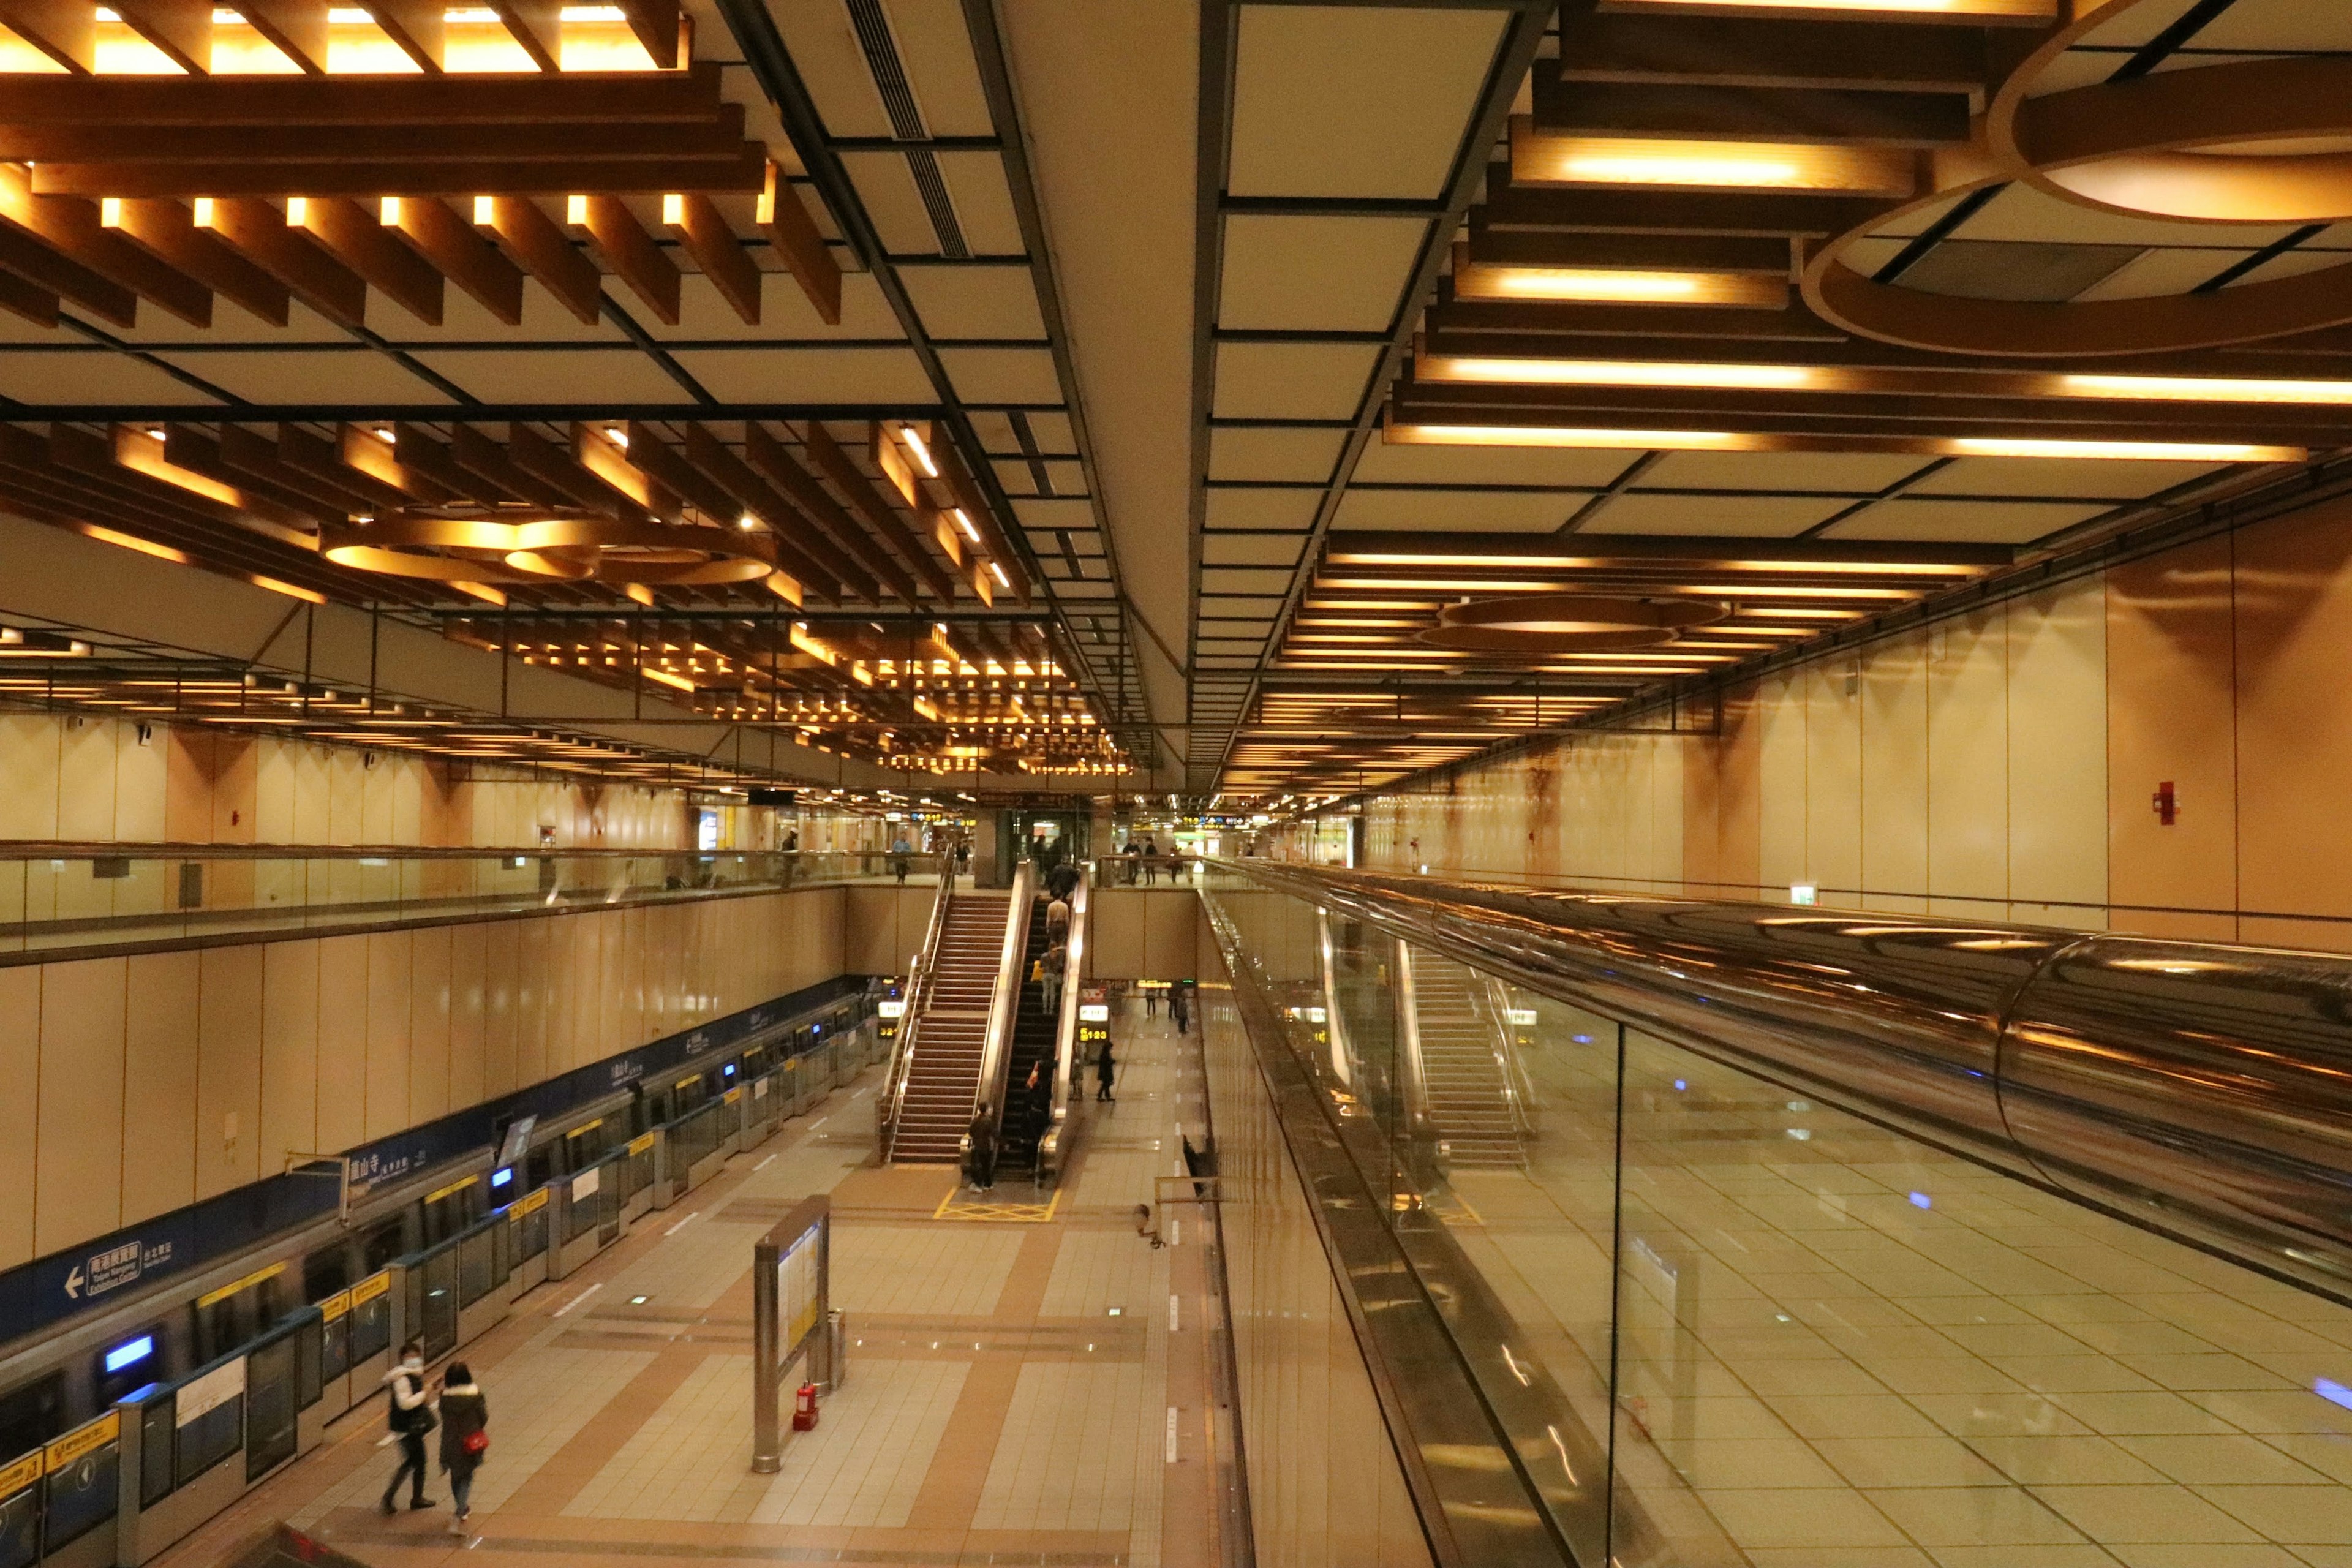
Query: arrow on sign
column 73, row 1283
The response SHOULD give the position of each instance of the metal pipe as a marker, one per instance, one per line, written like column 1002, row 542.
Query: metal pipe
column 2202, row 1091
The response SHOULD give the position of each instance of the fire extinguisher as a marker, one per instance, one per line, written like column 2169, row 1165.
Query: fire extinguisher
column 804, row 1409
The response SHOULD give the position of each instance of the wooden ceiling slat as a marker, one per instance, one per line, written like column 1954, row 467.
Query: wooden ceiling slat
column 537, row 27
column 846, row 476
column 50, row 274
column 740, row 171
column 260, row 479
column 354, row 236
column 791, row 526
column 1674, row 252
column 634, row 256
column 1919, row 121
column 721, row 257
column 295, row 143
column 449, row 244
column 585, row 98
column 259, row 232
column 1908, row 55
column 544, row 460
column 475, row 451
column 768, row 456
column 975, row 506
column 798, row 240
column 64, row 30
column 418, row 28
column 662, row 462
column 299, row 28
column 533, row 239
column 182, row 29
column 167, row 230
column 70, row 226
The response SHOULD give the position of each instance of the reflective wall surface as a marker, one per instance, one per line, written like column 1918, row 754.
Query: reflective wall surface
column 1719, row 1322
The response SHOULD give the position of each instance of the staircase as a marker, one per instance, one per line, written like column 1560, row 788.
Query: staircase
column 1033, row 1044
column 1468, row 1087
column 943, row 1080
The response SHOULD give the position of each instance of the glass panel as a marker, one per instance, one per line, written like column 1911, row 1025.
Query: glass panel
column 335, row 1347
column 157, row 1467
column 371, row 1328
column 311, row 1343
column 476, row 1267
column 20, row 1524
column 210, row 1437
column 438, row 1319
column 270, row 1402
column 81, row 1496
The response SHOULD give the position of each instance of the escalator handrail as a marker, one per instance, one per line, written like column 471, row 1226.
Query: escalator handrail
column 1004, row 1002
column 1050, row 1151
column 2201, row 1090
column 921, row 972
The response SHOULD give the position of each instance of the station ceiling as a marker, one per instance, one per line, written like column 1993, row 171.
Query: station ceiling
column 1048, row 392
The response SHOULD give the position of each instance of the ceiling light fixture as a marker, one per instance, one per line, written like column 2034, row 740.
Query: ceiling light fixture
column 1409, row 434
column 1541, row 158
column 144, row 546
column 2145, row 451
column 1620, row 373
column 2205, row 389
column 1567, row 436
column 1478, row 280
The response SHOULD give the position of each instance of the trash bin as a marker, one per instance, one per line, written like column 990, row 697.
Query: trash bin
column 836, row 1352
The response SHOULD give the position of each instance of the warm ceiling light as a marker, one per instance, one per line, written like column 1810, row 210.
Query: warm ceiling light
column 964, row 523
column 1563, row 436
column 1480, row 281
column 288, row 589
column 916, row 444
column 2205, row 389
column 144, row 546
column 1541, row 158
column 2145, row 451
column 1619, row 372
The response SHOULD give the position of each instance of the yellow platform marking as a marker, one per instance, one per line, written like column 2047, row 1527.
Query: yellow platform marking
column 956, row 1205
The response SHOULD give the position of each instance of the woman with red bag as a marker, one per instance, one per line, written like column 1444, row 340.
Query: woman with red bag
column 465, row 1438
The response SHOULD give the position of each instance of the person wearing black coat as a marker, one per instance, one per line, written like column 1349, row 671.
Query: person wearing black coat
column 1106, row 1070
column 980, row 1164
column 465, row 1438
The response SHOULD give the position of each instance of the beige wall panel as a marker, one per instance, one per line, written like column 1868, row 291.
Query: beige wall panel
column 232, row 1148
column 2171, row 717
column 1115, row 949
column 429, row 1024
column 1968, row 766
column 141, row 782
column 1738, row 809
column 502, row 958
column 2058, row 754
column 1701, row 786
column 159, row 1085
column 1782, row 781
column 378, row 822
column 468, row 948
column 289, row 1046
column 530, row 1001
column 344, row 1017
column 1168, row 917
column 561, row 1002
column 347, row 791
column 189, row 762
column 608, row 1038
column 1832, row 691
column 2295, row 749
column 313, row 814
column 86, row 781
column 872, row 944
column 28, row 776
column 236, row 775
column 391, row 996
column 631, row 1021
column 78, row 1190
column 1892, row 809
column 20, row 1065
column 273, row 784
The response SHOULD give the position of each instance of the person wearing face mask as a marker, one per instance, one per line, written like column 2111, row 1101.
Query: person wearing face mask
column 464, row 1439
column 411, row 1417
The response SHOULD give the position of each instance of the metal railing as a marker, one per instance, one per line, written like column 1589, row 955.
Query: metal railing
column 1053, row 1150
column 920, row 971
column 65, row 900
column 1004, row 1004
column 1788, row 1151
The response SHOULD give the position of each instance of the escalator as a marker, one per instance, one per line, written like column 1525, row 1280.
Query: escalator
column 1465, row 1057
column 935, row 1083
column 1033, row 1046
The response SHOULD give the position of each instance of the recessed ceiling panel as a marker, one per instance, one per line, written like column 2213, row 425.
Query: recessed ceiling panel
column 94, row 377
column 1829, row 473
column 975, row 301
column 1724, row 516
column 886, row 186
column 1458, row 511
column 983, row 203
column 1292, row 381
column 602, row 376
column 824, row 51
column 1003, row 376
column 770, row 374
column 1250, row 549
column 936, row 51
column 1378, row 113
column 342, row 378
column 1302, row 455
column 786, row 313
column 1318, row 274
column 2086, row 478
column 1407, row 463
column 1962, row 521
column 1238, row 508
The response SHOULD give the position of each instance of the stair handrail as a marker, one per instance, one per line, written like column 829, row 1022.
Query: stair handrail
column 920, row 971
column 1518, row 1084
column 1050, row 1148
column 1424, row 1137
column 1004, row 1004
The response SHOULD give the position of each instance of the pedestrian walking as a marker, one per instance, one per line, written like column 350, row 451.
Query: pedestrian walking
column 1179, row 1007
column 1106, row 1072
column 898, row 853
column 1056, row 962
column 1037, row 1095
column 464, row 1439
column 964, row 858
column 1057, row 920
column 980, row 1165
column 1150, row 1001
column 410, row 1417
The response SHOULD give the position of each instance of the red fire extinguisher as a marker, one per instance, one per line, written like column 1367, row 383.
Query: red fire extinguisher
column 804, row 1409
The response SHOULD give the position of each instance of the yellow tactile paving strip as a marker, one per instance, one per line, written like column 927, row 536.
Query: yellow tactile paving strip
column 995, row 1409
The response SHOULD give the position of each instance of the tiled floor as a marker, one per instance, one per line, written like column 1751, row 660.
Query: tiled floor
column 1836, row 1345
column 995, row 1409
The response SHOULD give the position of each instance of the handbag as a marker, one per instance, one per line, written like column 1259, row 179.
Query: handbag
column 478, row 1442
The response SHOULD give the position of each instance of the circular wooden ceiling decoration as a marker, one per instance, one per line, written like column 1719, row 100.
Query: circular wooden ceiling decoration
column 1568, row 623
column 2250, row 142
column 587, row 548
